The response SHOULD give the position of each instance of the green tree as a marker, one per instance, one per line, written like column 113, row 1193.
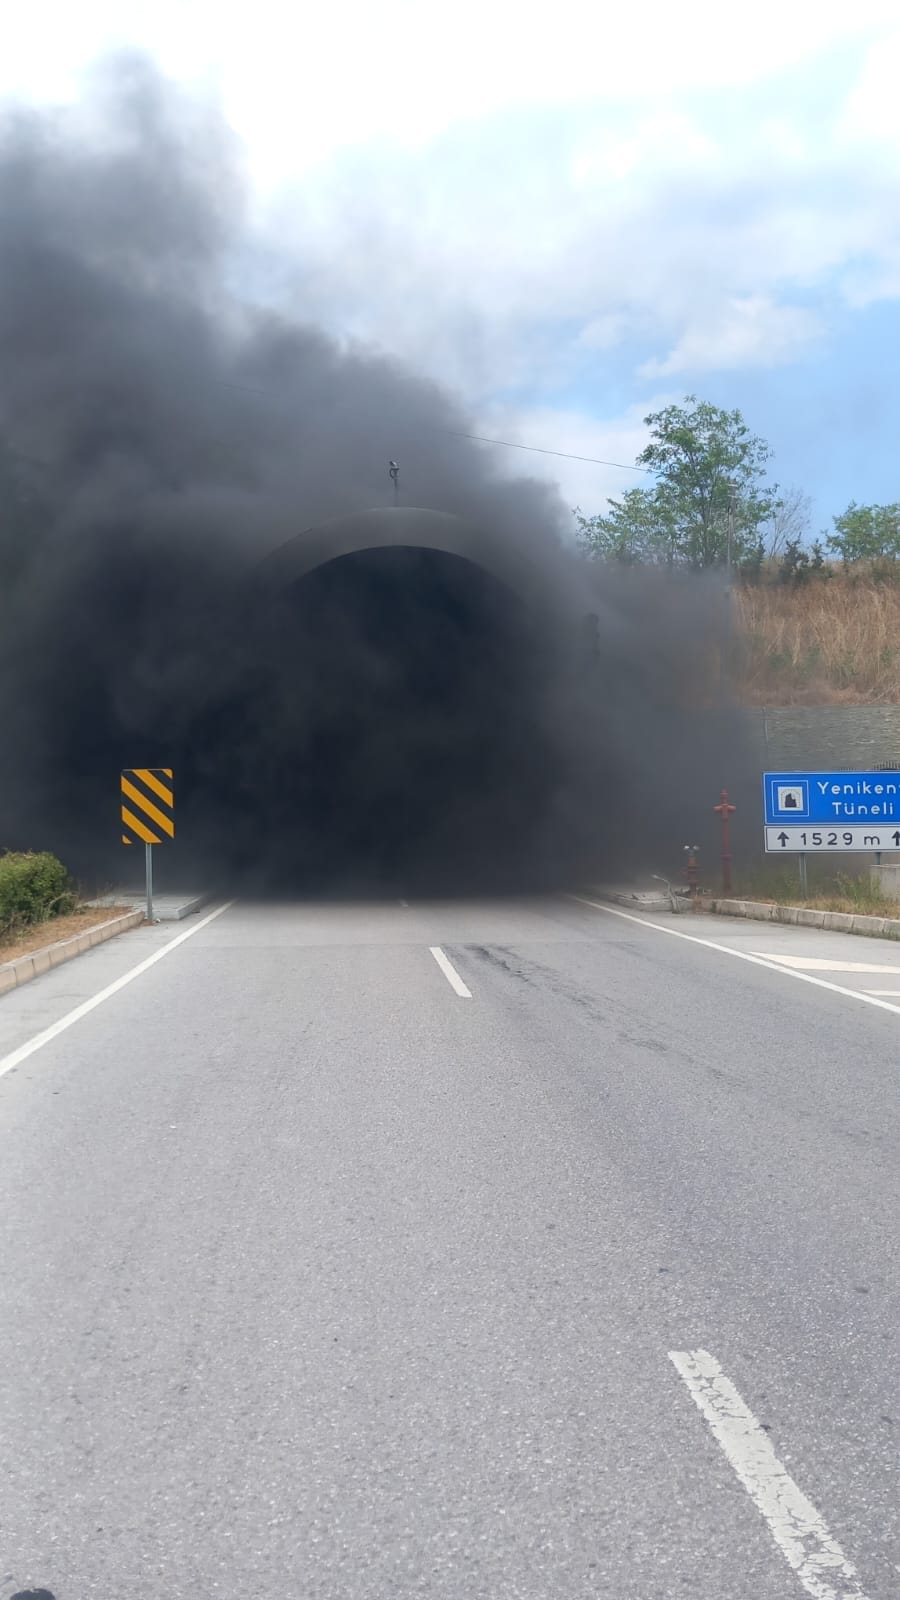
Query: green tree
column 634, row 530
column 794, row 563
column 708, row 466
column 867, row 533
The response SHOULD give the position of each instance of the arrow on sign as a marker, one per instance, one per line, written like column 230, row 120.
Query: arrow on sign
column 896, row 838
column 782, row 839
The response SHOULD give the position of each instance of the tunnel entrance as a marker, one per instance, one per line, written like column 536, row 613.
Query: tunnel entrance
column 386, row 730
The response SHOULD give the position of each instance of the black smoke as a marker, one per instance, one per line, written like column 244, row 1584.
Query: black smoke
column 480, row 709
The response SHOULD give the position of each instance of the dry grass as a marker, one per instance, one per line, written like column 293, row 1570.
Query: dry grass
column 878, row 906
column 827, row 890
column 874, row 905
column 832, row 641
column 57, row 929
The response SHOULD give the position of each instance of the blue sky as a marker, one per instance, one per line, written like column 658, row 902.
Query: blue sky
column 569, row 220
column 834, row 418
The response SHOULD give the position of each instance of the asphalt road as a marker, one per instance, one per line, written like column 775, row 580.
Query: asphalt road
column 563, row 1262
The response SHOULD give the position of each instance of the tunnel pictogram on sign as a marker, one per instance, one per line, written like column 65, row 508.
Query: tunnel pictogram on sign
column 148, row 805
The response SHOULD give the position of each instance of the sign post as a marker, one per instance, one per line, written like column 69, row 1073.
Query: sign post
column 148, row 868
column 813, row 813
column 725, row 812
column 148, row 814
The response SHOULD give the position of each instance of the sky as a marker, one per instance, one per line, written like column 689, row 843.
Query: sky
column 570, row 215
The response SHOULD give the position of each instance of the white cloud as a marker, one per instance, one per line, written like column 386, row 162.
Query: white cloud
column 603, row 332
column 875, row 280
column 743, row 332
column 587, row 483
column 509, row 256
column 575, row 201
column 303, row 82
column 872, row 108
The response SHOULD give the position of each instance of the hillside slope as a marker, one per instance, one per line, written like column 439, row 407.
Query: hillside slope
column 831, row 641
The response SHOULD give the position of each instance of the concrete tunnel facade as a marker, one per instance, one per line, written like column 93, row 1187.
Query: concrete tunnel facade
column 418, row 527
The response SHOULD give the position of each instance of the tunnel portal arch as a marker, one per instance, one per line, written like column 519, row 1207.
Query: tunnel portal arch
column 416, row 527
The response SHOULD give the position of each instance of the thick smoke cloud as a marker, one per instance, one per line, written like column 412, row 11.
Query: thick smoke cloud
column 399, row 714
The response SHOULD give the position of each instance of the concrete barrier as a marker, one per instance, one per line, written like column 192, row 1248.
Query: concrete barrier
column 14, row 973
column 807, row 917
column 876, row 927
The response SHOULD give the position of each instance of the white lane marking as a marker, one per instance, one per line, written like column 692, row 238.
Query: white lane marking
column 739, row 955
column 450, row 972
column 882, row 991
column 794, row 1523
column 16, row 1057
column 816, row 964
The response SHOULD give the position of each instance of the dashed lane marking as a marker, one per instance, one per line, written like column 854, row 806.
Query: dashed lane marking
column 450, row 973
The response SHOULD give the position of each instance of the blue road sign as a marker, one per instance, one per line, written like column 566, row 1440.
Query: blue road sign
column 832, row 799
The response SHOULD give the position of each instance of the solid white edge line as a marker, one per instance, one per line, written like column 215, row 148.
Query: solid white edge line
column 450, row 972
column 739, row 955
column 800, row 1532
column 16, row 1057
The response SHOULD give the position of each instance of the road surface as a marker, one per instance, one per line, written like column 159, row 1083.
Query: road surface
column 519, row 1251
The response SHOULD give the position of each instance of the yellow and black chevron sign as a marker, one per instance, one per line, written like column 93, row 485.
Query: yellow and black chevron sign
column 148, row 805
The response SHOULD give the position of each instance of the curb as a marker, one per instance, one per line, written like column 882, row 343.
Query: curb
column 805, row 917
column 636, row 902
column 189, row 907
column 14, row 973
column 177, row 913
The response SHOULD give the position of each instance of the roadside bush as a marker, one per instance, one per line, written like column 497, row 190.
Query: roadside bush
column 34, row 887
